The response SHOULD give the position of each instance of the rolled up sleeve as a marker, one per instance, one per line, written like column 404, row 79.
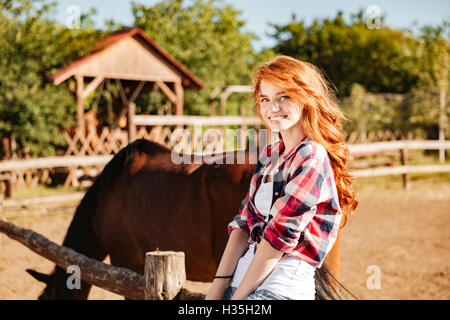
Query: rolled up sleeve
column 292, row 212
column 240, row 220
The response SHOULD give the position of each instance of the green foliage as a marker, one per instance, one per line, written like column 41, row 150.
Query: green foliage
column 205, row 37
column 369, row 112
column 381, row 60
column 32, row 46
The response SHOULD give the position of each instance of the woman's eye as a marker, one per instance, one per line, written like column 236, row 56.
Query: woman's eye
column 284, row 98
column 264, row 100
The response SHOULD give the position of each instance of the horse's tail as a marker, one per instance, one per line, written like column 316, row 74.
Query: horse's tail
column 81, row 235
column 328, row 287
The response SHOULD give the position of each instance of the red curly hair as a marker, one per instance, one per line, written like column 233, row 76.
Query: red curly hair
column 321, row 117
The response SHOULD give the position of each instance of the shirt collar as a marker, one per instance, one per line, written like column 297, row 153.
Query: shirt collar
column 278, row 147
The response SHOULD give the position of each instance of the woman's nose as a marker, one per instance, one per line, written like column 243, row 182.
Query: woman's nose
column 275, row 106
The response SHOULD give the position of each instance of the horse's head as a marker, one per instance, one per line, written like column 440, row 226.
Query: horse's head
column 57, row 288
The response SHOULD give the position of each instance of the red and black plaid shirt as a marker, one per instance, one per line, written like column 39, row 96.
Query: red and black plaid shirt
column 305, row 214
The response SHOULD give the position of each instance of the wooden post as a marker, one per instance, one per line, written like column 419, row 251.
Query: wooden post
column 179, row 92
column 179, row 105
column 406, row 176
column 80, row 102
column 243, row 130
column 2, row 216
column 131, row 124
column 364, row 120
column 9, row 188
column 442, row 124
column 165, row 274
column 212, row 108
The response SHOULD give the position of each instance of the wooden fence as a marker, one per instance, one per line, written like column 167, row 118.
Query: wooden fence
column 164, row 277
column 162, row 129
column 79, row 165
column 88, row 153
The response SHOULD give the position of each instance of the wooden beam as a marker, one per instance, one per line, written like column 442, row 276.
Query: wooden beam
column 92, row 86
column 137, row 91
column 171, row 95
column 179, row 105
column 52, row 162
column 130, row 100
column 80, row 101
column 122, row 281
column 364, row 148
column 150, row 120
column 226, row 93
column 130, row 123
column 401, row 170
column 123, row 96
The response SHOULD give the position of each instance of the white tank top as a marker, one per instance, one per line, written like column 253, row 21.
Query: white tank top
column 291, row 276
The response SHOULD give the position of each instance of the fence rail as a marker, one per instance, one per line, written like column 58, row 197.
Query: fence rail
column 53, row 162
column 376, row 147
column 33, row 170
column 402, row 170
column 195, row 120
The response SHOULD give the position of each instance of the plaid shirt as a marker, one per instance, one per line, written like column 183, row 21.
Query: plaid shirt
column 305, row 214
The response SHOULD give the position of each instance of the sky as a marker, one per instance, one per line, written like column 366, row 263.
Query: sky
column 258, row 14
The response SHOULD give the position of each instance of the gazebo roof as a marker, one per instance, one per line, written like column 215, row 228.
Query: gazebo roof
column 130, row 55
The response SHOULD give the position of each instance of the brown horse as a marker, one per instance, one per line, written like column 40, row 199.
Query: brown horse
column 142, row 200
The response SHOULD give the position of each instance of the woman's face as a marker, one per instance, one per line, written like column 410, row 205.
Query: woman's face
column 277, row 108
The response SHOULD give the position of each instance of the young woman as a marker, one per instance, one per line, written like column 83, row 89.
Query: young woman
column 299, row 191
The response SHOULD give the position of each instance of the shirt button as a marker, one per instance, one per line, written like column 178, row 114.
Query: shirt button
column 277, row 193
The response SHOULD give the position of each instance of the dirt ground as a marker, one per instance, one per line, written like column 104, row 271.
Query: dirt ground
column 396, row 246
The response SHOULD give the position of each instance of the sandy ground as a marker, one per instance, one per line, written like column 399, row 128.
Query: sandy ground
column 396, row 246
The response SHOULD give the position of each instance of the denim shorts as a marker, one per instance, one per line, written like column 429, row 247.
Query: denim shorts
column 262, row 294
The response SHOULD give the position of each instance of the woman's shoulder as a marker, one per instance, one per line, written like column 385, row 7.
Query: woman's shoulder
column 310, row 149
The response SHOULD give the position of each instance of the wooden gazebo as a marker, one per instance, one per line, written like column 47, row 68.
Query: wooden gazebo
column 132, row 56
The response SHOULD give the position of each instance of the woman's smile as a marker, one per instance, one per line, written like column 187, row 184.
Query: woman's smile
column 277, row 118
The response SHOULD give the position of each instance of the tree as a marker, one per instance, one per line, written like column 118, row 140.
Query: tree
column 32, row 46
column 381, row 60
column 205, row 37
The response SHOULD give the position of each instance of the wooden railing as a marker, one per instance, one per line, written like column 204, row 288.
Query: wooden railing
column 88, row 152
column 96, row 163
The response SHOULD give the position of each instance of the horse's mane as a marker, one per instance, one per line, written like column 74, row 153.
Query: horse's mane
column 115, row 167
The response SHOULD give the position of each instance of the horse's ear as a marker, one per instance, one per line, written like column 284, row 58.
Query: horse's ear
column 42, row 277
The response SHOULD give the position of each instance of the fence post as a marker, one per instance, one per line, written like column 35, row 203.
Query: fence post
column 243, row 130
column 406, row 176
column 2, row 217
column 131, row 124
column 165, row 274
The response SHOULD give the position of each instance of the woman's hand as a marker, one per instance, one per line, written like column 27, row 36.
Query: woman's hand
column 265, row 259
column 235, row 248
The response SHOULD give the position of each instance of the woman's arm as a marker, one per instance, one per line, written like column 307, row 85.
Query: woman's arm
column 265, row 259
column 235, row 248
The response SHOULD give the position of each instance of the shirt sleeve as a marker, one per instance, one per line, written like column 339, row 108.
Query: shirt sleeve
column 306, row 189
column 240, row 220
